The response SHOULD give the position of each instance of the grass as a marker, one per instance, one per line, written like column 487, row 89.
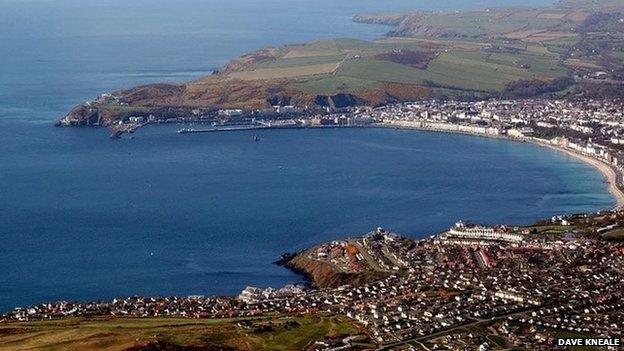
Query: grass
column 336, row 84
column 540, row 65
column 618, row 55
column 478, row 74
column 552, row 229
column 476, row 24
column 300, row 61
column 120, row 334
column 320, row 67
column 286, row 72
column 381, row 71
column 464, row 65
column 449, row 70
column 615, row 234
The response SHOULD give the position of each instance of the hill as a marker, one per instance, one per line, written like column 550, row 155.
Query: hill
column 464, row 55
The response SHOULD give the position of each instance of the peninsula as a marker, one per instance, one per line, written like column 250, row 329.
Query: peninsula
column 570, row 49
column 470, row 287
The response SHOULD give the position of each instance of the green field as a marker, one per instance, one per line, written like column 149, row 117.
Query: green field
column 458, row 65
column 280, row 333
column 336, row 84
column 299, row 61
column 448, row 70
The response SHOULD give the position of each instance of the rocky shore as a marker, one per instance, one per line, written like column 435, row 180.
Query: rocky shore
column 323, row 275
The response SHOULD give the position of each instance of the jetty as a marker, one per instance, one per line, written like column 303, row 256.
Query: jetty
column 221, row 129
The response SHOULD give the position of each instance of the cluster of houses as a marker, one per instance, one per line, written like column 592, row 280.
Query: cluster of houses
column 524, row 289
column 477, row 235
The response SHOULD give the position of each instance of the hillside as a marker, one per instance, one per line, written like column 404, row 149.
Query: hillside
column 459, row 55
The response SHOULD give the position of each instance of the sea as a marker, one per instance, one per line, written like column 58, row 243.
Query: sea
column 83, row 217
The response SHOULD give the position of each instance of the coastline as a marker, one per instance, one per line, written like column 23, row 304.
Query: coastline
column 609, row 173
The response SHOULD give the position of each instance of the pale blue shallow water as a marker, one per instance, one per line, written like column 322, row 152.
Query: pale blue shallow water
column 84, row 217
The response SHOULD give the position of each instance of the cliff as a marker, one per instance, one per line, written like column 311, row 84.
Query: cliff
column 324, row 275
column 518, row 23
column 220, row 91
column 414, row 24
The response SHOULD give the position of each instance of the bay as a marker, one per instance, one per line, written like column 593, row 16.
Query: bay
column 83, row 217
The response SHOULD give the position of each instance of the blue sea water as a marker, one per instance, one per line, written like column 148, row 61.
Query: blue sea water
column 83, row 217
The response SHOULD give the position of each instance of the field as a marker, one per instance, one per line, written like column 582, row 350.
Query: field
column 333, row 84
column 279, row 333
column 348, row 65
column 286, row 72
column 456, row 70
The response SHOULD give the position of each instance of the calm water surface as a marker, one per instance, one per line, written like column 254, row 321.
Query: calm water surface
column 83, row 217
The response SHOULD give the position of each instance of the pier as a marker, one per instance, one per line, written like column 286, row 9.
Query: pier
column 221, row 129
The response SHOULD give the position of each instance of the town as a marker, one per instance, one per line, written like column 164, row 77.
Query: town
column 470, row 287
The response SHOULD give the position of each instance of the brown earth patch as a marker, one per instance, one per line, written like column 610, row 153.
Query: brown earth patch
column 576, row 63
column 551, row 15
column 416, row 59
column 577, row 16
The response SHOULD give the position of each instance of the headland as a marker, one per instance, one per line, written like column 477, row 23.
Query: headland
column 520, row 53
column 466, row 287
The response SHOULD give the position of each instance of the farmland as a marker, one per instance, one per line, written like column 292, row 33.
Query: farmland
column 464, row 55
column 361, row 65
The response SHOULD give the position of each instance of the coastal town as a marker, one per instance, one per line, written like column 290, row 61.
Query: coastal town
column 353, row 134
column 470, row 287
